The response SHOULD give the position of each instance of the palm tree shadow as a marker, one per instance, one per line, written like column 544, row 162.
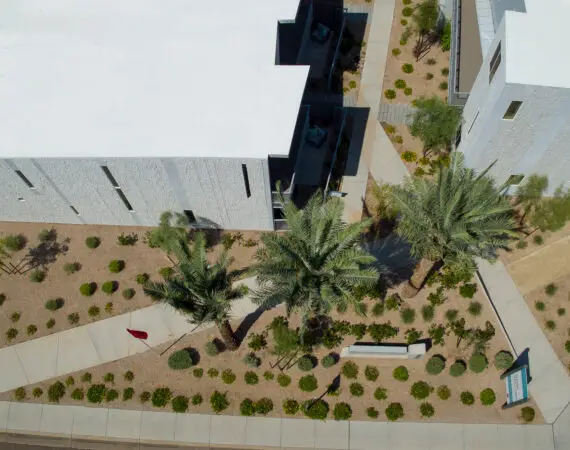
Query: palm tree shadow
column 247, row 322
column 393, row 254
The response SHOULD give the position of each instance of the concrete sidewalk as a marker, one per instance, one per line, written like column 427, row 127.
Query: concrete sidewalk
column 137, row 427
column 97, row 343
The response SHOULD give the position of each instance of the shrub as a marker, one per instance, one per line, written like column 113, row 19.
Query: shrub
column 522, row 244
column 550, row 325
column 413, row 335
column 70, row 381
column 372, row 412
column 408, row 315
column 305, row 363
column 14, row 242
column 128, row 293
column 219, row 401
column 264, row 406
column 15, row 317
column 435, row 365
column 443, row 85
column 73, row 318
column 426, row 410
column 446, row 37
column 161, row 397
column 358, row 330
column 371, row 373
column 93, row 311
column 396, row 51
column 290, row 407
column 428, row 313
column 116, row 266
column 380, row 394
column 127, row 239
column 431, row 61
column 429, row 76
column 394, row 411
column 251, row 360
column 356, row 389
column 550, row 289
column 257, row 341
column 328, row 361
column 487, row 397
column 378, row 309
column 457, row 369
column 350, row 370
column 247, row 407
column 109, row 378
column 408, row 91
column 88, row 289
column 128, row 393
column 527, row 414
column 451, row 315
column 20, row 394
column 53, row 304
column 50, row 324
column 268, row 375
column 308, row 383
column 212, row 373
column 2, row 299
column 283, row 380
column 212, row 349
column 70, row 268
column 561, row 312
column 538, row 240
column 567, row 346
column 11, row 333
column 478, row 363
column 398, row 139
column 399, row 84
column 540, row 306
column 382, row 331
column 468, row 290
column 503, row 360
column 145, row 397
column 467, row 398
column 92, row 242
column 445, row 71
column 37, row 392
column 197, row 399
column 352, row 84
column 341, row 308
column 475, row 308
column 250, row 378
column 317, row 410
column 31, row 330
column 166, row 272
column 407, row 11
column 400, row 373
column 390, row 94
column 180, row 404
column 111, row 395
column 342, row 411
column 437, row 298
column 407, row 68
column 37, row 276
column 109, row 287
column 228, row 376
column 198, row 373
column 443, row 392
column 86, row 377
column 56, row 392
column 142, row 278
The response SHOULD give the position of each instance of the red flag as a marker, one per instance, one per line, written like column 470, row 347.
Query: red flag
column 138, row 334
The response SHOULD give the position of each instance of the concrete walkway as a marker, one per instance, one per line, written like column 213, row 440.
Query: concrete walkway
column 395, row 113
column 97, row 343
column 81, row 422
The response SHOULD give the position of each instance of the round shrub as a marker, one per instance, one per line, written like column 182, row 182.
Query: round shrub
column 198, row 372
column 70, row 268
column 247, row 407
column 70, row 381
column 522, row 244
column 219, row 401
column 14, row 242
column 372, row 412
column 180, row 360
column 37, row 276
column 96, row 393
column 166, row 272
column 11, row 334
column 305, row 363
column 109, row 378
column 264, row 406
column 145, row 397
column 443, row 85
column 92, row 242
column 94, row 311
column 88, row 289
column 527, row 414
column 378, row 309
column 567, row 346
column 161, row 397
column 328, row 361
column 317, row 410
column 56, row 392
column 426, row 410
column 212, row 349
column 342, row 411
column 550, row 289
column 550, row 325
column 197, row 399
column 142, row 278
column 451, row 315
column 487, row 397
column 408, row 91
column 407, row 68
column 86, row 377
column 467, row 398
column 308, row 383
column 356, row 390
column 435, row 365
column 37, row 392
column 408, row 315
column 457, row 369
column 394, row 411
column 250, row 378
column 390, row 94
column 109, row 287
column 251, row 360
column 538, row 240
column 180, row 404
column 420, row 390
column 73, row 318
column 20, row 394
column 213, row 373
column 428, row 312
column 268, row 375
column 503, row 360
column 111, row 395
column 283, row 380
column 468, row 290
column 407, row 11
column 371, row 373
column 129, row 293
column 290, row 407
column 31, row 330
column 15, row 317
column 399, row 84
column 350, row 370
column 400, row 373
column 380, row 394
column 128, row 393
column 396, row 51
column 53, row 304
column 429, row 76
column 561, row 312
column 443, row 392
column 50, row 323
column 475, row 308
column 116, row 266
column 540, row 306
column 478, row 363
column 228, row 376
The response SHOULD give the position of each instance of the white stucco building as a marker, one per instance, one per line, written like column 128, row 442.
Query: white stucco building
column 509, row 67
column 112, row 112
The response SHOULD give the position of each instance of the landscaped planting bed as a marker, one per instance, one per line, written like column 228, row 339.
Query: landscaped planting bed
column 81, row 284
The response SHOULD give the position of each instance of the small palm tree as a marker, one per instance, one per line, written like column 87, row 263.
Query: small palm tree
column 452, row 219
column 172, row 238
column 201, row 290
column 317, row 264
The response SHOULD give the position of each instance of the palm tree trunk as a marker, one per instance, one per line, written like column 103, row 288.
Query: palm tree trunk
column 228, row 335
column 417, row 280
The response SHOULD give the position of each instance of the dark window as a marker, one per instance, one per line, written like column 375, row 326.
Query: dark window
column 110, row 177
column 278, row 214
column 495, row 62
column 246, row 180
column 24, row 179
column 512, row 110
column 458, row 137
column 515, row 179
column 190, row 216
column 124, row 199
column 74, row 210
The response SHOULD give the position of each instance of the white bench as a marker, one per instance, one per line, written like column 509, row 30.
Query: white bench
column 412, row 351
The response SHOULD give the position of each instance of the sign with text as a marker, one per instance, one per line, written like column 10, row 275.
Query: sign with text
column 516, row 384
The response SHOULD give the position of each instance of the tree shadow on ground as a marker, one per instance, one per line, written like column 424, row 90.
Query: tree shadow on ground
column 47, row 251
column 246, row 324
column 393, row 257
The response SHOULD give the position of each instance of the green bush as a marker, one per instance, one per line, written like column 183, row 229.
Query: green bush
column 37, row 392
column 561, row 312
column 247, row 407
column 257, row 341
column 443, row 392
column 446, row 37
column 127, row 239
column 445, row 72
column 443, row 85
column 128, row 393
column 283, row 380
column 73, row 318
column 567, row 346
column 358, row 330
column 487, row 397
column 378, row 309
column 503, row 360
column 408, row 91
column 390, row 94
column 250, row 378
column 88, row 289
column 475, row 308
column 382, row 331
column 93, row 311
column 431, row 62
column 408, row 315
column 467, row 398
column 180, row 360
column 70, row 381
column 78, row 394
column 116, row 266
column 350, row 370
column 527, row 414
column 427, row 410
column 70, row 268
column 129, row 293
column 11, row 334
column 264, row 406
column 399, row 84
column 308, row 383
column 407, row 68
column 437, row 298
column 413, row 335
column 92, row 242
column 212, row 349
column 20, row 394
column 111, row 395
column 342, row 411
column 394, row 411
column 550, row 325
column 371, row 373
column 53, row 304
column 86, row 377
column 268, row 375
column 109, row 307
column 219, row 401
column 435, row 365
column 142, row 278
column 109, row 377
column 96, row 393
column 380, row 394
column 540, row 306
column 145, row 397
column 407, row 11
column 56, row 392
column 15, row 317
column 50, row 323
column 212, row 373
column 228, row 376
column 429, row 76
column 290, row 407
column 161, row 397
column 400, row 373
column 328, row 361
column 420, row 390
column 428, row 313
column 317, row 410
column 14, row 242
column 197, row 399
column 198, row 373
column 550, row 289
column 451, row 315
column 305, row 363
column 396, row 51
column 37, row 276
column 522, row 244
column 372, row 412
column 251, row 360
column 538, row 240
column 109, row 287
column 468, row 290
column 457, row 368
column 478, row 363
column 356, row 390
column 166, row 272
column 180, row 404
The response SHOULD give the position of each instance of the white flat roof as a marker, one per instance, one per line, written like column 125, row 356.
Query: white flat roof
column 145, row 78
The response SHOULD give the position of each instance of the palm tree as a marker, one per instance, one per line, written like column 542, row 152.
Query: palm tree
column 201, row 290
column 317, row 264
column 529, row 195
column 451, row 220
column 169, row 237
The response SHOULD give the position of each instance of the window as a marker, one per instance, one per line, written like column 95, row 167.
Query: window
column 458, row 136
column 110, row 177
column 515, row 179
column 246, row 180
column 512, row 110
column 190, row 216
column 74, row 210
column 24, row 179
column 495, row 63
column 473, row 123
column 120, row 192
